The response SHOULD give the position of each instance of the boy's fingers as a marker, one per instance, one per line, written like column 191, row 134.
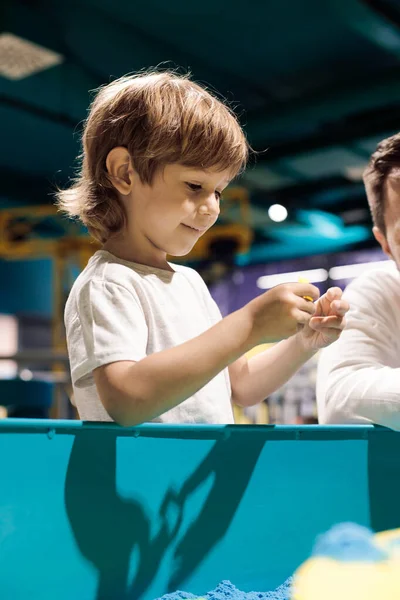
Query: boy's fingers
column 307, row 289
column 306, row 306
column 340, row 307
column 331, row 322
column 334, row 293
column 302, row 317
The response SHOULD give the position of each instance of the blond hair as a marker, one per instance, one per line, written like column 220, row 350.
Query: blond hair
column 161, row 118
column 384, row 163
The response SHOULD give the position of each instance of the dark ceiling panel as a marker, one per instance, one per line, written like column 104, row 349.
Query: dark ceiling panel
column 317, row 85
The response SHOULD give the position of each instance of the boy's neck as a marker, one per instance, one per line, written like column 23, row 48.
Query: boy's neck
column 119, row 248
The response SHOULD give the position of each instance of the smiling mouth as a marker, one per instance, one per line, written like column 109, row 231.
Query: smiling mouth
column 194, row 228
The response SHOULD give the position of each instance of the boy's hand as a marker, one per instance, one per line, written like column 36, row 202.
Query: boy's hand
column 172, row 510
column 328, row 321
column 278, row 313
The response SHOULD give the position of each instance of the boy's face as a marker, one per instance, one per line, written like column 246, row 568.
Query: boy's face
column 179, row 206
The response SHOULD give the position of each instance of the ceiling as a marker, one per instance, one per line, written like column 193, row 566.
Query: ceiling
column 316, row 84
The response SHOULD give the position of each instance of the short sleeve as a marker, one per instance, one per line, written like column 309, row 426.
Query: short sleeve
column 213, row 308
column 109, row 326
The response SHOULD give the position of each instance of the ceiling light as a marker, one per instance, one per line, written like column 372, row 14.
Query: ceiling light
column 352, row 271
column 313, row 276
column 20, row 58
column 355, row 173
column 26, row 375
column 277, row 213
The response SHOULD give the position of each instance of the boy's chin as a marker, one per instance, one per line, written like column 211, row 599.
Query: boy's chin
column 180, row 251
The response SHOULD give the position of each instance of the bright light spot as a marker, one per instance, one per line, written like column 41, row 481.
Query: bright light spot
column 351, row 271
column 355, row 173
column 26, row 375
column 313, row 276
column 277, row 213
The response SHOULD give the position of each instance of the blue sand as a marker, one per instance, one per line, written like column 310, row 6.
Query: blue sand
column 349, row 542
column 346, row 542
column 227, row 591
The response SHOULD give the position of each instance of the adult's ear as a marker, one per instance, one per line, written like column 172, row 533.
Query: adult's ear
column 382, row 240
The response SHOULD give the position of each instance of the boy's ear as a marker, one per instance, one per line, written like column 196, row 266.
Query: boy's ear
column 381, row 239
column 119, row 169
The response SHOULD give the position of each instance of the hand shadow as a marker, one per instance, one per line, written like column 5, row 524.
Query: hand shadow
column 231, row 461
column 107, row 527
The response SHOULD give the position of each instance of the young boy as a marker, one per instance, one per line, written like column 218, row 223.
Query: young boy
column 145, row 339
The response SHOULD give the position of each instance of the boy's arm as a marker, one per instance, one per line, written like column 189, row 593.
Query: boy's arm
column 255, row 379
column 135, row 392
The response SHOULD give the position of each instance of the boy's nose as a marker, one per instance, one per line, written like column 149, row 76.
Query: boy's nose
column 210, row 206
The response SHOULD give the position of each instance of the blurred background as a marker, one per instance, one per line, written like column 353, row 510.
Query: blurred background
column 316, row 86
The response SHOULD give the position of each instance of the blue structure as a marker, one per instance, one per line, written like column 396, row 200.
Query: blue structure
column 95, row 511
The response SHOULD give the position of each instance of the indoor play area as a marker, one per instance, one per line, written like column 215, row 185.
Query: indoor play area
column 297, row 495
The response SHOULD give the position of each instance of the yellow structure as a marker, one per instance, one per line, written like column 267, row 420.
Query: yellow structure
column 328, row 578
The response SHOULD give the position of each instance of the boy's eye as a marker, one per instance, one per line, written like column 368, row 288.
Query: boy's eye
column 195, row 187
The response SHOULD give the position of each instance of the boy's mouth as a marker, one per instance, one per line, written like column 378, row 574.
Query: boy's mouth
column 198, row 229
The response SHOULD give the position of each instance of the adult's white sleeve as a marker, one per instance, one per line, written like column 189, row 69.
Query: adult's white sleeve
column 359, row 376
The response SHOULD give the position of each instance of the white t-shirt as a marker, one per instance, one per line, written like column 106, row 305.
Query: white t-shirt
column 119, row 310
column 359, row 375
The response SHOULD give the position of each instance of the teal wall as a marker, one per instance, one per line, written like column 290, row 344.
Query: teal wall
column 26, row 286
